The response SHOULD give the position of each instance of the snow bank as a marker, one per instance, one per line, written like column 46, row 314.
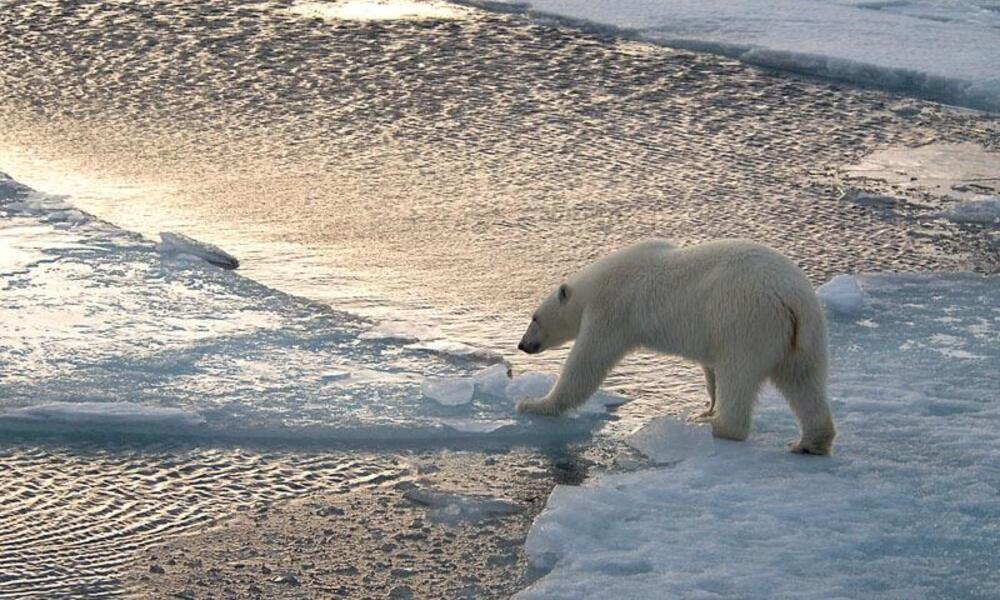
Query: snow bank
column 906, row 508
column 176, row 244
column 842, row 295
column 944, row 51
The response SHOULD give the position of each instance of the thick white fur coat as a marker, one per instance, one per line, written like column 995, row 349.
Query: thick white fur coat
column 741, row 310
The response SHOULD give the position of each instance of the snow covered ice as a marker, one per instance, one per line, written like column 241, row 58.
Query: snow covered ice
column 907, row 507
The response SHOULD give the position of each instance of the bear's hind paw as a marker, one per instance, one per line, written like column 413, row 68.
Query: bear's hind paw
column 817, row 449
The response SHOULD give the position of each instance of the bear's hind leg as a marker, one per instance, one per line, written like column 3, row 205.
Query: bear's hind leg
column 710, row 386
column 807, row 398
column 736, row 392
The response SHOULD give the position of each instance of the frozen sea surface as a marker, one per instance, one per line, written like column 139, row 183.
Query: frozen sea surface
column 908, row 507
column 938, row 49
column 106, row 332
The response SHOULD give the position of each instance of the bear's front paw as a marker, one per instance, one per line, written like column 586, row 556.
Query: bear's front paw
column 538, row 406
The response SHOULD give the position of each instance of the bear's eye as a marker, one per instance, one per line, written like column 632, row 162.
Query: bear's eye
column 534, row 318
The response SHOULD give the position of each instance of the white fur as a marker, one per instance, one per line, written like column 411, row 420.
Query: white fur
column 743, row 311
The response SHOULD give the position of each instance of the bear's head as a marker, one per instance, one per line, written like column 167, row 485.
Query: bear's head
column 556, row 322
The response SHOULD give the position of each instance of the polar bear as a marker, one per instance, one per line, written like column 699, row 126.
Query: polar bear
column 741, row 310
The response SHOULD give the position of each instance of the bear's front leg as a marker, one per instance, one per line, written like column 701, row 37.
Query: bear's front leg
column 593, row 355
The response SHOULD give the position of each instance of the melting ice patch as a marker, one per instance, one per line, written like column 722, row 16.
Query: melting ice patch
column 906, row 508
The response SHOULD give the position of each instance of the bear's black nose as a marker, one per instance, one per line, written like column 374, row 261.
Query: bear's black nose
column 521, row 347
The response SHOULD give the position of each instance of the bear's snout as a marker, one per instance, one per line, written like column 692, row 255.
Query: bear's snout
column 529, row 348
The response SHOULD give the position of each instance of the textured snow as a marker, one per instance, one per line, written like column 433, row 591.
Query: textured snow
column 940, row 49
column 842, row 295
column 670, row 440
column 908, row 506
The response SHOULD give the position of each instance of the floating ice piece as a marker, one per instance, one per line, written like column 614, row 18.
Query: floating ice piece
column 175, row 244
column 985, row 211
column 456, row 508
column 670, row 440
column 493, row 380
column 842, row 295
column 334, row 375
column 97, row 414
column 530, row 385
column 449, row 391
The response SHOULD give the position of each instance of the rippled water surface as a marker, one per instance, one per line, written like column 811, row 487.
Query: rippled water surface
column 443, row 171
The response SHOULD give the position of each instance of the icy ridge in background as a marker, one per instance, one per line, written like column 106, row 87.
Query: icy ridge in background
column 105, row 331
column 944, row 51
column 907, row 507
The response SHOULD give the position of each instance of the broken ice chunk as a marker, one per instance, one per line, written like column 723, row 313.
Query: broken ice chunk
column 176, row 244
column 842, row 295
column 670, row 440
column 449, row 391
column 455, row 508
column 492, row 381
column 529, row 385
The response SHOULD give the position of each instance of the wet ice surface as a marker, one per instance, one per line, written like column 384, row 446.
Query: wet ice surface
column 906, row 508
column 96, row 318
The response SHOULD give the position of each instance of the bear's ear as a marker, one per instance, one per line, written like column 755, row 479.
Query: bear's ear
column 563, row 293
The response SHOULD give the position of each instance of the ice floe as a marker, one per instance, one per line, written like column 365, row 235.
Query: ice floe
column 906, row 507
